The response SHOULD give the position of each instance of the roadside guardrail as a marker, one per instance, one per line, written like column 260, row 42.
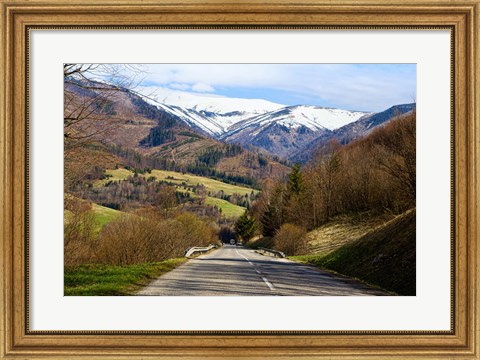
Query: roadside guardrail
column 270, row 251
column 197, row 249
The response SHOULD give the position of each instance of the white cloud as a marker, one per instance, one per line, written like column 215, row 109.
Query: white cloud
column 201, row 87
column 351, row 86
column 178, row 86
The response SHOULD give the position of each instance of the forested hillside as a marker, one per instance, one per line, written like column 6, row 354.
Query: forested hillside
column 374, row 173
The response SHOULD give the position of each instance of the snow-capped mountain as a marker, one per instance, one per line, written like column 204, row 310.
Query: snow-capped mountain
column 284, row 131
column 355, row 130
column 314, row 118
column 211, row 114
column 209, row 102
column 287, row 130
column 220, row 117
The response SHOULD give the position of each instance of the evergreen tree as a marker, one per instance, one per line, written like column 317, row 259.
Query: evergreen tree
column 295, row 180
column 245, row 226
column 273, row 215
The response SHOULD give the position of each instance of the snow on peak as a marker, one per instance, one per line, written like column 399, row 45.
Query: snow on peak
column 218, row 116
column 209, row 102
column 312, row 117
column 316, row 117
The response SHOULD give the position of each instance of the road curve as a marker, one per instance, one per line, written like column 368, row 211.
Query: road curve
column 233, row 270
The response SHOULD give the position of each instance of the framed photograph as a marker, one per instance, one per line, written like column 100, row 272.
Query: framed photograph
column 239, row 180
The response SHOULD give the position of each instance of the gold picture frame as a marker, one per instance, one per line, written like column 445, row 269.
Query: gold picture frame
column 19, row 17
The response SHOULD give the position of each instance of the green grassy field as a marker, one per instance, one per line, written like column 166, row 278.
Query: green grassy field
column 117, row 174
column 105, row 280
column 104, row 215
column 228, row 209
column 114, row 175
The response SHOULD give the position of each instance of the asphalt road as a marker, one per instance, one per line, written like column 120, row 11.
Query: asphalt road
column 233, row 270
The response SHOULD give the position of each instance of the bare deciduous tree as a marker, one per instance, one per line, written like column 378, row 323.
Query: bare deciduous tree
column 91, row 94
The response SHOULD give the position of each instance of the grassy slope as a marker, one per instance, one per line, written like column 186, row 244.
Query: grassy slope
column 95, row 280
column 261, row 241
column 385, row 256
column 228, row 209
column 103, row 215
column 343, row 229
column 244, row 164
column 210, row 184
column 116, row 175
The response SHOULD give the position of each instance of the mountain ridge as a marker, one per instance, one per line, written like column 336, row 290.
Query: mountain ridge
column 353, row 131
column 218, row 116
column 292, row 132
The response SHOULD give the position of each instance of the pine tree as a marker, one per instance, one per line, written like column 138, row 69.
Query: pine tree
column 245, row 226
column 295, row 180
column 273, row 215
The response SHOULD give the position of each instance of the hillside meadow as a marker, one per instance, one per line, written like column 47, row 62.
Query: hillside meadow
column 185, row 183
column 178, row 179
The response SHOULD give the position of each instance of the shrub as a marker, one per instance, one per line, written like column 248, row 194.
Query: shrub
column 195, row 231
column 79, row 232
column 291, row 239
column 135, row 239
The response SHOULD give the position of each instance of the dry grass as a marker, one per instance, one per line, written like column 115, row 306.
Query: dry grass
column 385, row 256
column 260, row 241
column 183, row 151
column 342, row 230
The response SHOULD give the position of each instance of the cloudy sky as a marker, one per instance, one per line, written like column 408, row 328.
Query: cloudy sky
column 368, row 87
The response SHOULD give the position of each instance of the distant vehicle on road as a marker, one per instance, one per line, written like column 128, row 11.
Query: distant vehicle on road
column 232, row 241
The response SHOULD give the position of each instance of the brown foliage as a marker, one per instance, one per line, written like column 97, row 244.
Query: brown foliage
column 376, row 173
column 133, row 240
column 79, row 231
column 93, row 111
column 291, row 239
column 147, row 236
column 396, row 153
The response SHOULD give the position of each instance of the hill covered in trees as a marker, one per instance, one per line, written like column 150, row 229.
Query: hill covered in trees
column 376, row 173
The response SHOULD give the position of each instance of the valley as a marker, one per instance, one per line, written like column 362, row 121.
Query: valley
column 149, row 174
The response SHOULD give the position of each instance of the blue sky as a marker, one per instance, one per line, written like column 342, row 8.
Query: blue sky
column 368, row 87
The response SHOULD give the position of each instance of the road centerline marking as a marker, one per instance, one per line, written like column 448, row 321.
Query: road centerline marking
column 269, row 284
column 236, row 250
column 265, row 280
